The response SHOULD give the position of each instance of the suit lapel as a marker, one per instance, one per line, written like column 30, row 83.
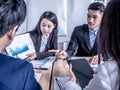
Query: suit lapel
column 48, row 42
column 87, row 40
column 38, row 41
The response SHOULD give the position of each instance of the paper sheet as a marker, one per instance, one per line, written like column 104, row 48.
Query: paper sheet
column 21, row 46
column 43, row 63
column 38, row 76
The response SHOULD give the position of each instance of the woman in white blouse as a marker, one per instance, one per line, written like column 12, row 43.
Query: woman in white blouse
column 107, row 75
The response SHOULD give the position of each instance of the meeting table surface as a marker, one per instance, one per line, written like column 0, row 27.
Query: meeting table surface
column 59, row 68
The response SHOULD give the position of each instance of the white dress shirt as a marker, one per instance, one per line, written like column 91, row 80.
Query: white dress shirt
column 44, row 40
column 92, row 36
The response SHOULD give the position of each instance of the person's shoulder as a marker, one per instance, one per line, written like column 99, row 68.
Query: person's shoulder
column 109, row 63
column 81, row 27
column 109, row 66
column 79, row 30
column 22, row 65
column 15, row 61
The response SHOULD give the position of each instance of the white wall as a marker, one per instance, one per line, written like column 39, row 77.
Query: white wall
column 70, row 13
column 76, row 14
column 23, row 27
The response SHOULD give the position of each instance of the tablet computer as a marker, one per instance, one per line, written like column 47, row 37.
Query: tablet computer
column 82, row 70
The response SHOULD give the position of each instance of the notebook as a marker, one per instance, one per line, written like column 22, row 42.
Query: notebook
column 82, row 70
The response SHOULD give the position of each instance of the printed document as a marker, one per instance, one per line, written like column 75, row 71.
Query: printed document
column 21, row 46
column 43, row 63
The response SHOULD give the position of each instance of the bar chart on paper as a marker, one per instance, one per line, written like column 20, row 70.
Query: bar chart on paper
column 21, row 46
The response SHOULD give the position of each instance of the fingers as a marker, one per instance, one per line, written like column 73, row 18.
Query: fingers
column 72, row 76
column 59, row 54
column 94, row 60
column 31, row 56
column 70, row 68
column 54, row 51
column 18, row 57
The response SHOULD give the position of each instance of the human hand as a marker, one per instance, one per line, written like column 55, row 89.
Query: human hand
column 17, row 57
column 72, row 76
column 94, row 60
column 59, row 54
column 31, row 56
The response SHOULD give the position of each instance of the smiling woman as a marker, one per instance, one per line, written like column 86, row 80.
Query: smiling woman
column 47, row 26
column 44, row 36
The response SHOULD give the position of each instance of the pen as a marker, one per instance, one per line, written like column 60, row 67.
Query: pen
column 44, row 68
column 40, row 68
column 59, row 83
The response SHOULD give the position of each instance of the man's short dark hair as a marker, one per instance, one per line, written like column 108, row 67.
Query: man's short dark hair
column 12, row 13
column 97, row 6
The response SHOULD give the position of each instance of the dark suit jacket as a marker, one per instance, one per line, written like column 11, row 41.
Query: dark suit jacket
column 51, row 44
column 80, row 38
column 16, row 74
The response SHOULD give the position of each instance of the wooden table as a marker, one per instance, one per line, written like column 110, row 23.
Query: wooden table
column 58, row 69
column 45, row 78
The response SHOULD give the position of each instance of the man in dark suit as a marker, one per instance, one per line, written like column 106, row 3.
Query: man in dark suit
column 84, row 43
column 15, row 74
column 84, row 37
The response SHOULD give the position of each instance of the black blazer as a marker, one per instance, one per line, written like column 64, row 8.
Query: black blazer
column 80, row 40
column 16, row 74
column 51, row 44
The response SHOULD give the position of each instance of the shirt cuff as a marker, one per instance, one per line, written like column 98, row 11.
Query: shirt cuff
column 71, row 86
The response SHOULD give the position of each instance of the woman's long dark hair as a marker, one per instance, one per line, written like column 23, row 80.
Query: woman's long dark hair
column 50, row 16
column 109, row 34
